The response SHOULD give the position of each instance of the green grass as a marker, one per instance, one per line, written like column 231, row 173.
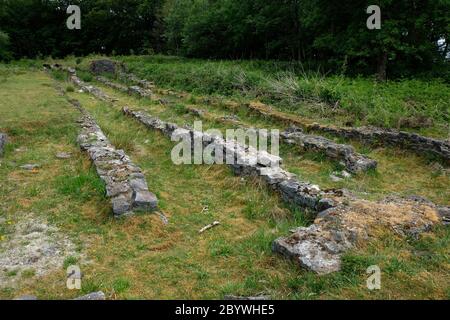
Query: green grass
column 139, row 257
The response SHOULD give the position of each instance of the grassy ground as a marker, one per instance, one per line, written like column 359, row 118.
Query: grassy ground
column 141, row 258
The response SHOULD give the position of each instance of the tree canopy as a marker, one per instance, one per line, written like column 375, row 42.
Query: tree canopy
column 329, row 33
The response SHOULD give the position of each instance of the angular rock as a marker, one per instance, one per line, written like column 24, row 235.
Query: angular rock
column 30, row 167
column 27, row 298
column 354, row 162
column 2, row 143
column 63, row 155
column 320, row 246
column 313, row 249
column 144, row 200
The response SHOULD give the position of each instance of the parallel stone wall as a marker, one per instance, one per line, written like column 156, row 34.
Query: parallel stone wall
column 373, row 135
column 133, row 90
column 89, row 88
column 342, row 221
column 145, row 84
column 113, row 85
column 368, row 135
column 353, row 161
column 125, row 182
column 254, row 163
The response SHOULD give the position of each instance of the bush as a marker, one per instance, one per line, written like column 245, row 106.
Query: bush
column 5, row 53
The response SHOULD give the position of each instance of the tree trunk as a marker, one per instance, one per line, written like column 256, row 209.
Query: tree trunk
column 382, row 66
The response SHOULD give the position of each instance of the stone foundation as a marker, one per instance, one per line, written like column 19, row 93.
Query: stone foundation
column 390, row 137
column 133, row 90
column 96, row 92
column 368, row 135
column 353, row 161
column 320, row 246
column 250, row 162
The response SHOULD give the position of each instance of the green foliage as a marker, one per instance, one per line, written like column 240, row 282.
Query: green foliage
column 330, row 33
column 39, row 27
column 320, row 32
column 121, row 285
column 85, row 76
column 69, row 261
column 5, row 53
column 82, row 187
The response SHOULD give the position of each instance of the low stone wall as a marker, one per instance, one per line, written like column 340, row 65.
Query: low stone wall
column 353, row 161
column 125, row 183
column 342, row 222
column 3, row 138
column 255, row 163
column 368, row 135
column 99, row 94
column 373, row 135
column 113, row 85
column 96, row 92
column 145, row 84
column 137, row 90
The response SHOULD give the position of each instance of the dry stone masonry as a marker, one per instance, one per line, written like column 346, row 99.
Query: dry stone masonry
column 145, row 84
column 342, row 221
column 353, row 161
column 125, row 183
column 96, row 92
column 2, row 143
column 369, row 135
column 373, row 135
column 113, row 85
column 254, row 163
column 136, row 90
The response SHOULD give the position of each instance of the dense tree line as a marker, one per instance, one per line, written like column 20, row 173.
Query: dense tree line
column 331, row 33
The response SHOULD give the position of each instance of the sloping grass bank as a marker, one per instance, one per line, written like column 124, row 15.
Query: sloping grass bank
column 406, row 104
